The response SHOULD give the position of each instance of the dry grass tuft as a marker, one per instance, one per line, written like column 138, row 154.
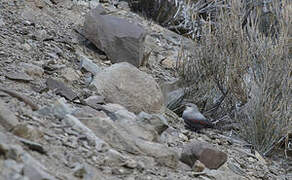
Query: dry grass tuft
column 245, row 53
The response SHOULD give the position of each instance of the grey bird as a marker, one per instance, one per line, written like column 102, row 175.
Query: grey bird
column 194, row 120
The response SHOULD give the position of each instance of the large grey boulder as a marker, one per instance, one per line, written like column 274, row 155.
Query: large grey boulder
column 124, row 84
column 121, row 40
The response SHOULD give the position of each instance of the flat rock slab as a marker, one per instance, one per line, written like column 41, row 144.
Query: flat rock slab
column 211, row 157
column 124, row 84
column 19, row 76
column 121, row 40
column 162, row 154
column 7, row 118
column 61, row 89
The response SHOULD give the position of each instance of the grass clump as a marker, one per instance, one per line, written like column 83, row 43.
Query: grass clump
column 242, row 66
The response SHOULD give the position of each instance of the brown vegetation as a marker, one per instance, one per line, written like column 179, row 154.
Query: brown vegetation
column 249, row 61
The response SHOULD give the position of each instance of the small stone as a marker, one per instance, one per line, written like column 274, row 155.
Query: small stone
column 41, row 35
column 26, row 47
column 11, row 151
column 103, row 57
column 124, row 5
column 183, row 137
column 107, row 62
column 158, row 121
column 32, row 69
column 121, row 171
column 28, row 23
column 93, row 100
column 60, row 109
column 2, row 23
column 27, row 132
column 70, row 75
column 168, row 63
column 113, row 157
column 198, row 166
column 130, row 163
column 19, row 76
column 162, row 154
column 80, row 171
column 88, row 65
column 33, row 146
column 7, row 118
column 61, row 89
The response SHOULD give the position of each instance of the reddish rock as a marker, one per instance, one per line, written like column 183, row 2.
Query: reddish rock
column 205, row 153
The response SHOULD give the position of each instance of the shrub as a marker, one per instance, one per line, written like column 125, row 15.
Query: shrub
column 245, row 53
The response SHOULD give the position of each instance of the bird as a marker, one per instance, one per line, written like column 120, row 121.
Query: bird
column 194, row 120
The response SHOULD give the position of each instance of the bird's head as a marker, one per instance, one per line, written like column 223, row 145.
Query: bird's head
column 191, row 106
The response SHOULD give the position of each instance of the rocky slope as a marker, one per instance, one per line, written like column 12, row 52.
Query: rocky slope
column 67, row 113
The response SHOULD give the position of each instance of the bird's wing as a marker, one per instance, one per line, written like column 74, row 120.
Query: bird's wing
column 197, row 118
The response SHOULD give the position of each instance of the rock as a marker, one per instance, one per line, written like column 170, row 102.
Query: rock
column 31, row 69
column 183, row 167
column 11, row 169
column 94, row 140
column 18, row 76
column 173, row 93
column 40, row 4
column 41, row 34
column 27, row 131
column 205, row 153
column 31, row 167
column 124, row 84
column 70, row 75
column 113, row 157
column 174, row 99
column 113, row 107
column 2, row 23
column 26, row 46
column 117, row 137
column 128, row 121
column 198, row 166
column 130, row 163
column 172, row 137
column 59, row 109
column 93, row 100
column 162, row 154
column 88, row 112
column 168, row 62
column 84, row 171
column 120, row 40
column 61, row 89
column 33, row 145
column 158, row 121
column 124, row 5
column 12, row 164
column 11, row 151
column 88, row 65
column 224, row 173
column 34, row 173
column 7, row 118
column 121, row 171
column 93, row 4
